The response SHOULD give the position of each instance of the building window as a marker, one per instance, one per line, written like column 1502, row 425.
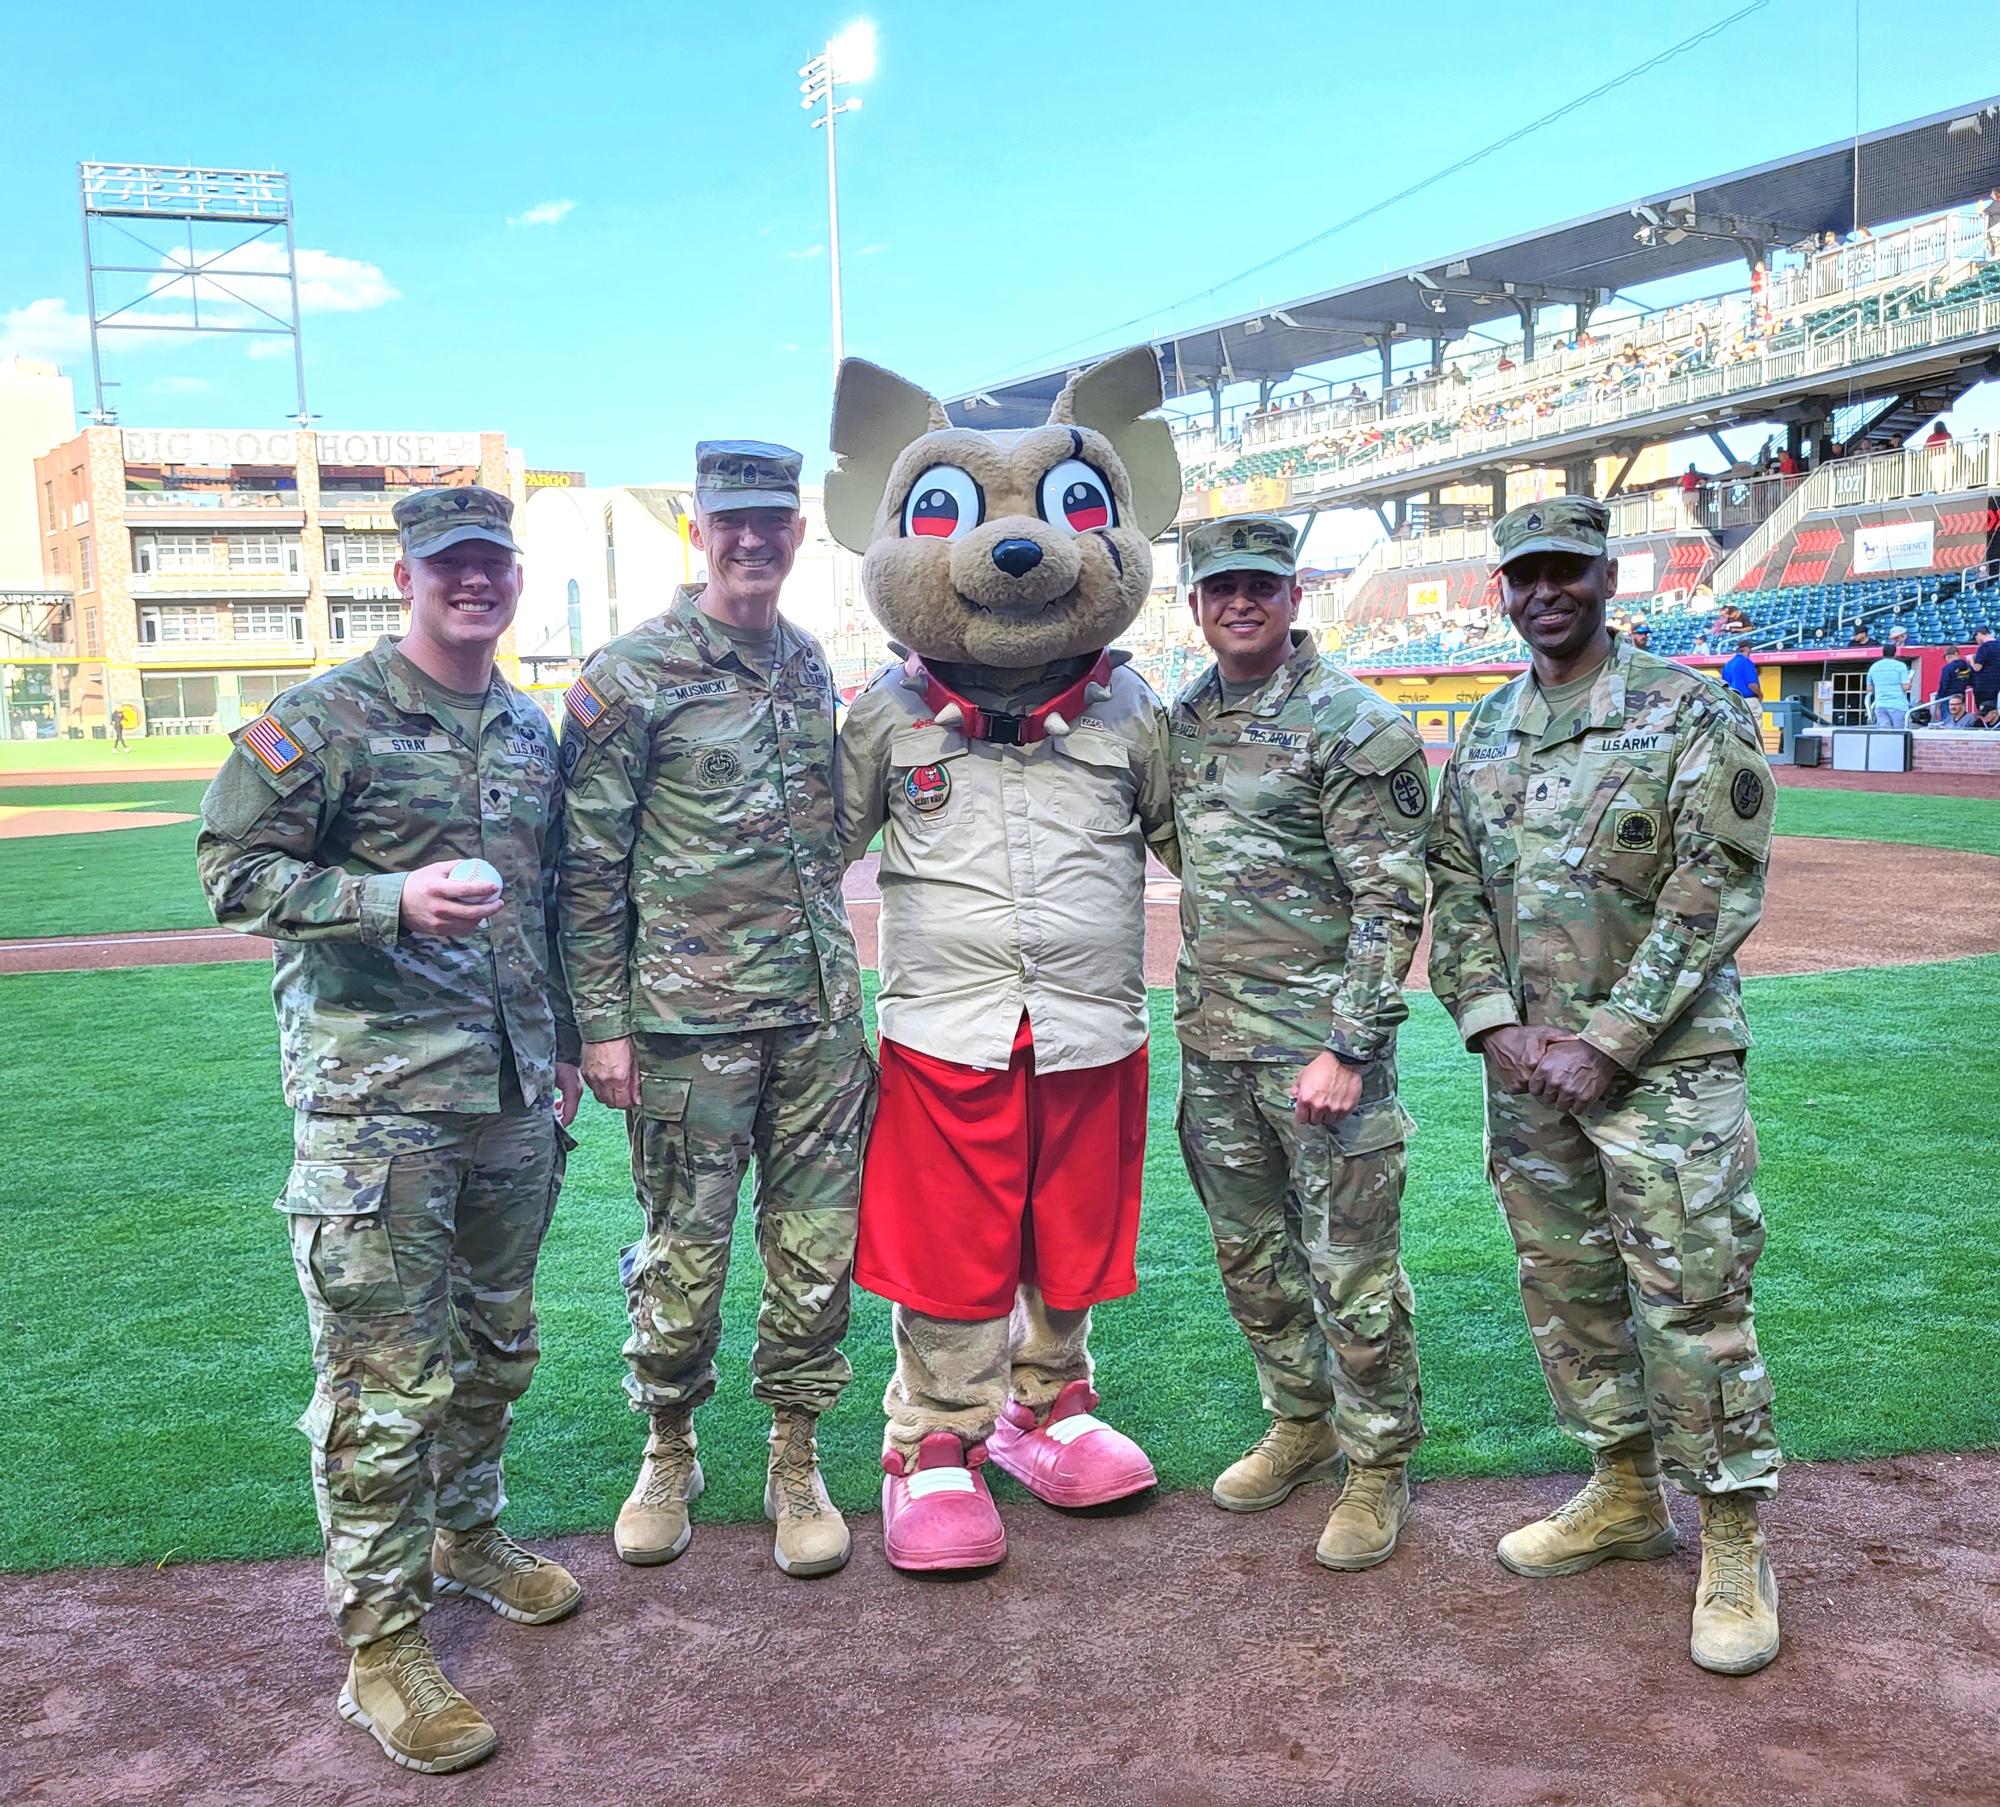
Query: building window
column 361, row 554
column 92, row 640
column 171, row 626
column 49, row 504
column 174, row 552
column 180, row 703
column 366, row 620
column 269, row 621
column 262, row 552
column 257, row 690
column 86, row 569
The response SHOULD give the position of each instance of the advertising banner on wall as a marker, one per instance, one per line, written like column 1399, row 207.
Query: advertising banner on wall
column 1426, row 597
column 1895, row 546
column 1637, row 574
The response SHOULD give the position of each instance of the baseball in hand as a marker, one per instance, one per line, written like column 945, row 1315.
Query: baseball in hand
column 476, row 872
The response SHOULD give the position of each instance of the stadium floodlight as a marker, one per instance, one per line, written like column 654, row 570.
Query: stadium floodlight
column 847, row 59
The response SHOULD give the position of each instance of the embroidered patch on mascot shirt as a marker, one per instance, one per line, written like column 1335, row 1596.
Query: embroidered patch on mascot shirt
column 928, row 788
column 278, row 751
column 1406, row 791
column 1746, row 794
column 1636, row 831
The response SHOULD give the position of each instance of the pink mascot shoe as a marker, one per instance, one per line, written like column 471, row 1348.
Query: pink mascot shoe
column 1070, row 1458
column 939, row 1515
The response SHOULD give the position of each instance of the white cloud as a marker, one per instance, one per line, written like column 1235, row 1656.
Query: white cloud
column 545, row 213
column 870, row 250
column 44, row 329
column 804, row 252
column 340, row 285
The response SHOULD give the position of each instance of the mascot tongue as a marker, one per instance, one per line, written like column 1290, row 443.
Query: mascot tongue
column 1056, row 716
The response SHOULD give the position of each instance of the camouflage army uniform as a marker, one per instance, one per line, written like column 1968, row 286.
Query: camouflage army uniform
column 1596, row 873
column 702, row 915
column 1301, row 818
column 421, row 1069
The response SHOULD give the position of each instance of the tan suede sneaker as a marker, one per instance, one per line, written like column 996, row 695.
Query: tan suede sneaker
column 1736, row 1601
column 1621, row 1515
column 1366, row 1520
column 487, row 1565
column 1291, row 1453
column 812, row 1536
column 653, row 1525
column 397, row 1694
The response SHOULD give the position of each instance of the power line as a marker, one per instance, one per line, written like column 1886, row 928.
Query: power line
column 1464, row 163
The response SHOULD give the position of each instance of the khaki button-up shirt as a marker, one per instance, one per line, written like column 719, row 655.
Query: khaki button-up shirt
column 1013, row 878
column 347, row 784
column 700, row 883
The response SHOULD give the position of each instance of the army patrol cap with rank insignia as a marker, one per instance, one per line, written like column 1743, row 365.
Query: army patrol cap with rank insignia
column 1242, row 542
column 1562, row 524
column 745, row 473
column 433, row 519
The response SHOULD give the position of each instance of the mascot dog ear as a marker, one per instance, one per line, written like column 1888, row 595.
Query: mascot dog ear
column 1114, row 398
column 875, row 415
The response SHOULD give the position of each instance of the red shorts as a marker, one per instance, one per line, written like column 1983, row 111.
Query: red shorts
column 976, row 1181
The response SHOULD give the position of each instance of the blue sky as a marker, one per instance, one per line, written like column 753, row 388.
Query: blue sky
column 1020, row 178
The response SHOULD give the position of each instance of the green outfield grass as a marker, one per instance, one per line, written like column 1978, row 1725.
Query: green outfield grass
column 154, row 1343
column 1971, row 824
column 101, row 756
column 101, row 884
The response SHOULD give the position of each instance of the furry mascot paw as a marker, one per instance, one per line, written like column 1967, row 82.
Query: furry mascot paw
column 1016, row 769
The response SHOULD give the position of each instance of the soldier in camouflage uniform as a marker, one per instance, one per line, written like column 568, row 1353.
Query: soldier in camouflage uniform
column 1300, row 798
column 429, row 1054
column 719, row 996
column 1597, row 857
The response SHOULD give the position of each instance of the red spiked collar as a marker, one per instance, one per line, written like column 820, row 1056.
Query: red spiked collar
column 976, row 723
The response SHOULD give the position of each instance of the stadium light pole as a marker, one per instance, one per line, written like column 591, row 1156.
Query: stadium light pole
column 847, row 59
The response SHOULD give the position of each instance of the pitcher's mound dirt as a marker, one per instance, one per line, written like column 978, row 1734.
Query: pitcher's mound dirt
column 1175, row 1655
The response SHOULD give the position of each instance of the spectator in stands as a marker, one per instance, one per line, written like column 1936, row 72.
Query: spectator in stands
column 1940, row 434
column 1639, row 636
column 1690, row 481
column 1889, row 691
column 1740, row 674
column 1788, row 465
column 1700, row 647
column 1953, row 702
column 1861, row 635
column 1986, row 677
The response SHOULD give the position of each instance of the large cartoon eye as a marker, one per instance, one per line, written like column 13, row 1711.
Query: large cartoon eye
column 1077, row 497
column 944, row 504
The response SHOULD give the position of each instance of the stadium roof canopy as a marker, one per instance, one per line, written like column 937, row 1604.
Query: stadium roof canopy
column 1924, row 166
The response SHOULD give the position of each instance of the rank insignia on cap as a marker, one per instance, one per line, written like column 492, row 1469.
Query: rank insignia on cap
column 1533, row 523
column 582, row 704
column 278, row 751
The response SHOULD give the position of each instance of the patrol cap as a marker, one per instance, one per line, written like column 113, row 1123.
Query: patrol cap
column 745, row 473
column 1240, row 542
column 433, row 519
column 1561, row 524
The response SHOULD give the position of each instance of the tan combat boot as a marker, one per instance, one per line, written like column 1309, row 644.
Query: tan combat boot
column 1736, row 1600
column 1621, row 1515
column 812, row 1536
column 1288, row 1455
column 398, row 1695
column 487, row 1565
column 1366, row 1520
column 653, row 1525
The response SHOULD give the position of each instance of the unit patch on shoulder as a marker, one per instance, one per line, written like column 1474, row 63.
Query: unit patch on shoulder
column 276, row 750
column 928, row 787
column 582, row 704
column 715, row 767
column 1746, row 794
column 1636, row 831
column 1406, row 791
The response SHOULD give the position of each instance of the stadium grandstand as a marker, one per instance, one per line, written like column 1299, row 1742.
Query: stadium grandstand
column 1832, row 305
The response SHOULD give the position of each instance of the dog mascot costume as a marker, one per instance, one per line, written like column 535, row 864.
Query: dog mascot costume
column 1017, row 772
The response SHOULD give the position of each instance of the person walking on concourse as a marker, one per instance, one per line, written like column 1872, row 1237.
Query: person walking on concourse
column 1597, row 856
column 719, row 996
column 429, row 1054
column 1300, row 802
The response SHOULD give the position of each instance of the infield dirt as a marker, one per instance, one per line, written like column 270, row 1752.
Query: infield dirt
column 1175, row 1655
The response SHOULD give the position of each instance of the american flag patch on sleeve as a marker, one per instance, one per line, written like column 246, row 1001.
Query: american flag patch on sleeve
column 582, row 704
column 278, row 751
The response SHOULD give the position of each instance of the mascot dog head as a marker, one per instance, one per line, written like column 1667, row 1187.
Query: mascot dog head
column 1008, row 549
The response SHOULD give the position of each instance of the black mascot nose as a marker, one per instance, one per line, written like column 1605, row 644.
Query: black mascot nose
column 1017, row 557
